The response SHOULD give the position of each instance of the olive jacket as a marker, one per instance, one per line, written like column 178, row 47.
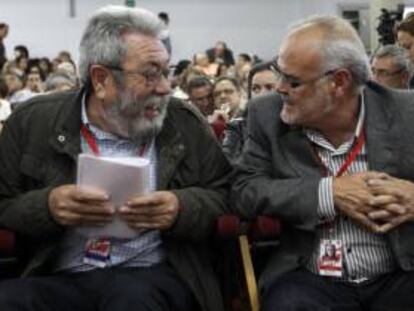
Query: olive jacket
column 38, row 151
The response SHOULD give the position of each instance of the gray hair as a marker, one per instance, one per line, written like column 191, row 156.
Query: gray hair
column 55, row 79
column 341, row 46
column 102, row 41
column 398, row 55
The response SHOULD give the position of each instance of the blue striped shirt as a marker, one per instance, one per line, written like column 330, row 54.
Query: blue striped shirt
column 365, row 254
column 143, row 251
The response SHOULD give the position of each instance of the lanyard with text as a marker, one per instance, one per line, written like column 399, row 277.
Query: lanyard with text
column 351, row 157
column 94, row 146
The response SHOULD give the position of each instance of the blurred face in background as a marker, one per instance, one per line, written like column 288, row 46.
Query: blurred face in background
column 202, row 98
column 3, row 32
column 226, row 96
column 34, row 82
column 386, row 72
column 13, row 83
column 406, row 41
column 263, row 82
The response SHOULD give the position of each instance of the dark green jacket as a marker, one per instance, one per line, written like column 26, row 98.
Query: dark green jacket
column 38, row 151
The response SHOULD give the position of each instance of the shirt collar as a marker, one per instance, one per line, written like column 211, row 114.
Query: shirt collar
column 319, row 139
column 98, row 133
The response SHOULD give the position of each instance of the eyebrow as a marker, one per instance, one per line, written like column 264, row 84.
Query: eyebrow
column 289, row 76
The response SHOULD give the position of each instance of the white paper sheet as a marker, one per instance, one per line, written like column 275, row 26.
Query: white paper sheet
column 121, row 178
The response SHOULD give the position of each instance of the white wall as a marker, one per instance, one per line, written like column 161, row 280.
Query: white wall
column 254, row 26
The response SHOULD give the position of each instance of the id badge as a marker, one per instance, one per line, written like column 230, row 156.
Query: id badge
column 330, row 259
column 97, row 252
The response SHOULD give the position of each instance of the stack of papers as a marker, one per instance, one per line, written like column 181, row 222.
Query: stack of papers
column 120, row 177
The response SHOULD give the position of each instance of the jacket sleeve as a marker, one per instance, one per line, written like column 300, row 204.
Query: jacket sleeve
column 206, row 197
column 23, row 203
column 265, row 183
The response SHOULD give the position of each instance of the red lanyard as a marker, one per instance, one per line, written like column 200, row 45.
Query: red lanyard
column 94, row 146
column 351, row 157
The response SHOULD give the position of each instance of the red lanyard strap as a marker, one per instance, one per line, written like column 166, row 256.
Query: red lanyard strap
column 91, row 141
column 352, row 155
column 356, row 149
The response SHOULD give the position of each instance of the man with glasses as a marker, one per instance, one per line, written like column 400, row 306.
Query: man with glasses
column 123, row 110
column 391, row 67
column 331, row 156
column 200, row 93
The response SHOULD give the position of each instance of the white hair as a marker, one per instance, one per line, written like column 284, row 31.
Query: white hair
column 341, row 46
column 102, row 41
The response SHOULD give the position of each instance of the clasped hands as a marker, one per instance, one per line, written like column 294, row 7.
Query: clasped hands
column 375, row 200
column 73, row 205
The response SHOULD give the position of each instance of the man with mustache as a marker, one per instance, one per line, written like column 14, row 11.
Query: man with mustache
column 123, row 109
column 331, row 156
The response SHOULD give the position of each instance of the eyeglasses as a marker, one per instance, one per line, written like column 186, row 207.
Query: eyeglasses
column 384, row 72
column 152, row 75
column 295, row 82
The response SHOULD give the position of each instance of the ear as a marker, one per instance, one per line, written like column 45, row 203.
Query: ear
column 342, row 82
column 100, row 78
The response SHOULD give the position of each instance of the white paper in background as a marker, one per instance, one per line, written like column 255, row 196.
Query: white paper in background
column 121, row 178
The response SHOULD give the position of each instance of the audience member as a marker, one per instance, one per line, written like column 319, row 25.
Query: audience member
column 5, row 109
column 332, row 158
column 227, row 103
column 4, row 30
column 261, row 80
column 14, row 85
column 60, row 81
column 200, row 93
column 405, row 37
column 124, row 109
column 391, row 67
column 165, row 34
column 221, row 54
column 227, row 95
column 45, row 67
column 21, row 51
column 202, row 63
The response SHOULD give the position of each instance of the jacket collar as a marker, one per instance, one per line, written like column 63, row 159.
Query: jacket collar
column 66, row 138
column 299, row 152
column 169, row 143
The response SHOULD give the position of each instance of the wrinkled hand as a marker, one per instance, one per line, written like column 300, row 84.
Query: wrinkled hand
column 353, row 197
column 72, row 205
column 393, row 202
column 157, row 210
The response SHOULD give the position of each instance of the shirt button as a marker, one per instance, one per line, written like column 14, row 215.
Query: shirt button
column 348, row 250
column 61, row 138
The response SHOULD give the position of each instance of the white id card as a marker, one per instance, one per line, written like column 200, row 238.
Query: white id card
column 330, row 260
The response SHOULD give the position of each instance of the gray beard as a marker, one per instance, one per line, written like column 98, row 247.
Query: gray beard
column 127, row 117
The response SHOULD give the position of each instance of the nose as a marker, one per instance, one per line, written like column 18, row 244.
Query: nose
column 281, row 87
